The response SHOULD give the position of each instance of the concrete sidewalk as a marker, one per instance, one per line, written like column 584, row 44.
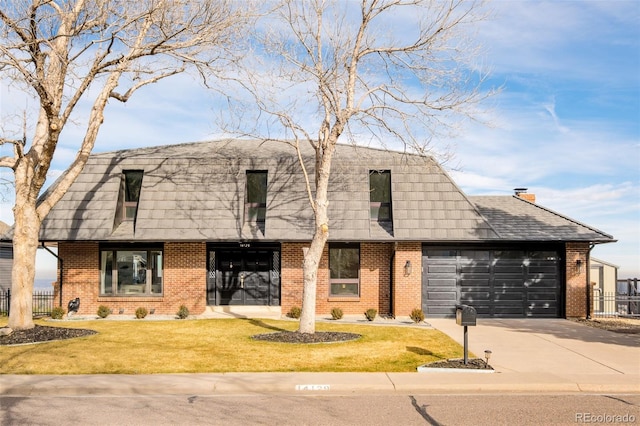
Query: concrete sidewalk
column 528, row 355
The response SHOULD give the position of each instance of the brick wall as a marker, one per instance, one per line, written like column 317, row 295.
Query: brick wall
column 375, row 278
column 576, row 281
column 81, row 276
column 375, row 274
column 291, row 275
column 184, row 279
column 407, row 290
column 185, row 272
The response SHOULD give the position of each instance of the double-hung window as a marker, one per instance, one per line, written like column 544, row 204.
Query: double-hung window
column 344, row 269
column 380, row 195
column 255, row 209
column 132, row 270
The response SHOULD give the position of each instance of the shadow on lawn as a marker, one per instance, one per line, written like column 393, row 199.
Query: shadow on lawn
column 260, row 323
column 422, row 351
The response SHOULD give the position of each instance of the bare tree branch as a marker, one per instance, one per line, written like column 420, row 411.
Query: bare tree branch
column 396, row 71
column 64, row 52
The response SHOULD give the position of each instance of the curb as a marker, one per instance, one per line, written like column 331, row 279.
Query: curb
column 309, row 384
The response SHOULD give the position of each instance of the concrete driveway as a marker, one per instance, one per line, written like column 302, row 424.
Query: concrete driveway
column 556, row 346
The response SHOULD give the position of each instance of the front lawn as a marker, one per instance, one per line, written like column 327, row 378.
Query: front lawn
column 223, row 345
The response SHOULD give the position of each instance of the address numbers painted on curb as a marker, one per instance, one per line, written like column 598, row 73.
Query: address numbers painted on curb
column 313, row 387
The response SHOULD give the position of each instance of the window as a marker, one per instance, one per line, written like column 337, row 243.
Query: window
column 132, row 183
column 380, row 195
column 131, row 271
column 344, row 266
column 255, row 208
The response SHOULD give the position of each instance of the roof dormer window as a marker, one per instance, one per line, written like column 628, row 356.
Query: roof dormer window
column 255, row 210
column 130, row 193
column 380, row 195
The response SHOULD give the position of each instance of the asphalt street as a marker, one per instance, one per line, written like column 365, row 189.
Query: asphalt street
column 334, row 409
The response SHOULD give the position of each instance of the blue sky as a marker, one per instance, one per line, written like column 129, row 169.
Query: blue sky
column 566, row 124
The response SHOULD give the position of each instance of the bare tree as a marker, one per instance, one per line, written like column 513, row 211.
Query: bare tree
column 387, row 71
column 64, row 51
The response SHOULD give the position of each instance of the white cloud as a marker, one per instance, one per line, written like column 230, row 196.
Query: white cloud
column 559, row 37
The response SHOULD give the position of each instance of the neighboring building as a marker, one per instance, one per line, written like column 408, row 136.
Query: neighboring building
column 223, row 223
column 6, row 258
column 604, row 279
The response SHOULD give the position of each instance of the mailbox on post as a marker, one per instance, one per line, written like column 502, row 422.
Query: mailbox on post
column 465, row 315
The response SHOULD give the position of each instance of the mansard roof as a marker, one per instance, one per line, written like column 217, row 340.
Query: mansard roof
column 195, row 192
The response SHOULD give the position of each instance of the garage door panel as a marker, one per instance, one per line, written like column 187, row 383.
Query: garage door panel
column 482, row 283
column 542, row 296
column 501, row 296
column 510, row 268
column 442, row 295
column 441, row 269
column 546, row 283
column 508, row 284
column 540, row 311
column 441, row 311
column 475, row 269
column 507, row 311
column 536, row 268
column 473, row 296
column 482, row 310
column 442, row 283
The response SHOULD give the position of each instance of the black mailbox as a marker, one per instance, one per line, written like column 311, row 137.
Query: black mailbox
column 465, row 315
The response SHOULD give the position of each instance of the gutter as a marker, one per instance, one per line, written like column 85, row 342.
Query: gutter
column 392, row 280
column 60, row 268
column 589, row 289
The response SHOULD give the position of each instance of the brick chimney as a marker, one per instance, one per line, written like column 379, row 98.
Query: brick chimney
column 522, row 193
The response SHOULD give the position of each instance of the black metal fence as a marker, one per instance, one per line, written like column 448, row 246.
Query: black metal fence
column 42, row 302
column 624, row 302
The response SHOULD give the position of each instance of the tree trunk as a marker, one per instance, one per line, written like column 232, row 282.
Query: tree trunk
column 321, row 235
column 25, row 245
column 310, row 278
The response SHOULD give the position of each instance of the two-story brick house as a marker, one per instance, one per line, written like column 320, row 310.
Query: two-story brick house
column 225, row 223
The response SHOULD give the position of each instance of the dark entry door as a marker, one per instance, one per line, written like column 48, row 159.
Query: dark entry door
column 243, row 277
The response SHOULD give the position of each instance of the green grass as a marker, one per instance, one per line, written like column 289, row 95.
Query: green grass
column 224, row 345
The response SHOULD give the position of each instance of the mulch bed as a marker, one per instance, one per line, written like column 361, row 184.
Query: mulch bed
column 472, row 364
column 620, row 325
column 41, row 333
column 317, row 337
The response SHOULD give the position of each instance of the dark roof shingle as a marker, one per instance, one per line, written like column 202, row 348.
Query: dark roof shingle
column 516, row 219
column 195, row 192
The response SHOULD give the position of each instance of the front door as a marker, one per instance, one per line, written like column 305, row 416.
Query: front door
column 242, row 277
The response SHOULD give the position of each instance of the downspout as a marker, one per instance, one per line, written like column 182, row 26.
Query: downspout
column 393, row 277
column 589, row 289
column 60, row 268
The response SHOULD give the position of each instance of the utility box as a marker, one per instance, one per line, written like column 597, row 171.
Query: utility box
column 465, row 315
